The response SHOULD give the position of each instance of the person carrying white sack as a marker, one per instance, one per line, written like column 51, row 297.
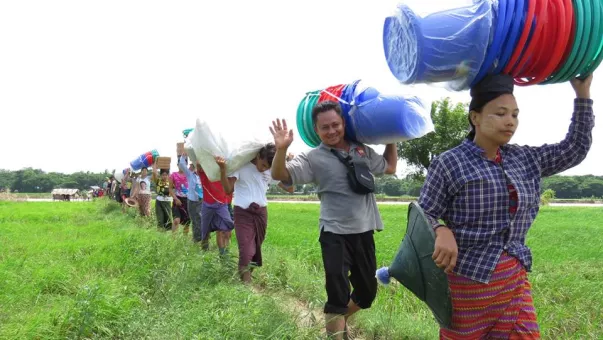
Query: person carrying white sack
column 250, row 183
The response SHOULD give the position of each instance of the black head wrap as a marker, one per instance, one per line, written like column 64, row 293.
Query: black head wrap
column 488, row 89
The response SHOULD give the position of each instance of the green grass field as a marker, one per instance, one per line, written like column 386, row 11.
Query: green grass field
column 88, row 271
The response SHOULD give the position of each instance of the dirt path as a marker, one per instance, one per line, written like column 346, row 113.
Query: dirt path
column 304, row 315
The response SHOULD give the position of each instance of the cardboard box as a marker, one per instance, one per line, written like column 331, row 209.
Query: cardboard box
column 180, row 149
column 164, row 162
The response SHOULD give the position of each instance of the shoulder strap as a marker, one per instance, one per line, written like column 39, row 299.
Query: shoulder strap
column 344, row 160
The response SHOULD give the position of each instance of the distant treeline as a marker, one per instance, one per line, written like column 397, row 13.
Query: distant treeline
column 565, row 187
column 35, row 180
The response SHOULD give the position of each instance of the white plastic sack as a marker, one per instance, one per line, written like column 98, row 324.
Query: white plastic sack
column 238, row 145
column 118, row 175
column 188, row 148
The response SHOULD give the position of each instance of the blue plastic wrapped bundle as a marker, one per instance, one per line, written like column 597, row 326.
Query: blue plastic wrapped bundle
column 347, row 96
column 377, row 118
column 137, row 163
column 370, row 116
column 447, row 46
column 144, row 161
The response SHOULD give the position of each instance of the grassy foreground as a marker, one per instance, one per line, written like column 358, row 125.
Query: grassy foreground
column 87, row 271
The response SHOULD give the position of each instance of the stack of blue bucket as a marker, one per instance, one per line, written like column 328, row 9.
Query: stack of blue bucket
column 145, row 160
column 447, row 46
column 534, row 41
column 372, row 117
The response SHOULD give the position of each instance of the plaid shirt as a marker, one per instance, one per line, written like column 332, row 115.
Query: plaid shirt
column 470, row 194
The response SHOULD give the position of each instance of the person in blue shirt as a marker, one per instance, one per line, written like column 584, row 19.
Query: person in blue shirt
column 194, row 196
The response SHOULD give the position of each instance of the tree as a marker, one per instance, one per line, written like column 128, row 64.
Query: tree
column 592, row 187
column 392, row 187
column 451, row 126
column 69, row 185
column 7, row 178
column 564, row 187
column 412, row 186
column 35, row 180
column 309, row 188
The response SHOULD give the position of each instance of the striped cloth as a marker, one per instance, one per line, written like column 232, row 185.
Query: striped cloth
column 500, row 309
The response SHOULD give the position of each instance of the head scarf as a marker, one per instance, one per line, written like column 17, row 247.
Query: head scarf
column 488, row 89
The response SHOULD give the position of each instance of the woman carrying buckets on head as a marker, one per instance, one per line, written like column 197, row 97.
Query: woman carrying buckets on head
column 251, row 215
column 163, row 201
column 487, row 193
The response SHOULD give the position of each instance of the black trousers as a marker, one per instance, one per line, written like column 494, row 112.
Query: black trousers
column 349, row 258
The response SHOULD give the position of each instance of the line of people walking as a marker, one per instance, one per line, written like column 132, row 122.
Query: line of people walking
column 480, row 197
column 188, row 198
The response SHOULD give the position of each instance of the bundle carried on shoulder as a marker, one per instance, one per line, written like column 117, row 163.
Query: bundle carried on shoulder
column 371, row 116
column 210, row 139
column 119, row 175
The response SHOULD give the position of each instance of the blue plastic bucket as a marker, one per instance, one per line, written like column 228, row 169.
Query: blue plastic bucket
column 348, row 96
column 344, row 103
column 137, row 164
column 363, row 93
column 147, row 160
column 388, row 118
column 401, row 45
column 444, row 46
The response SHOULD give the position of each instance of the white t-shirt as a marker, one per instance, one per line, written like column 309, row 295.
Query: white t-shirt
column 251, row 186
column 146, row 187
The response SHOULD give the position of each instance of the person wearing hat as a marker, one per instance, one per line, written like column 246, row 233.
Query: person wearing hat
column 348, row 218
column 482, row 197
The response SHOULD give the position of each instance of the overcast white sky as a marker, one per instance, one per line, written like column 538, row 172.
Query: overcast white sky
column 91, row 85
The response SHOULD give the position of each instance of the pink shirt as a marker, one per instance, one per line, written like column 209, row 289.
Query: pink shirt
column 180, row 184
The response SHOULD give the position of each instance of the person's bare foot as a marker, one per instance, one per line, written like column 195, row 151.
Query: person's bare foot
column 246, row 277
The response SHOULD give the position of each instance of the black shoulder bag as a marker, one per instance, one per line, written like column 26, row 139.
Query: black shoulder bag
column 359, row 175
